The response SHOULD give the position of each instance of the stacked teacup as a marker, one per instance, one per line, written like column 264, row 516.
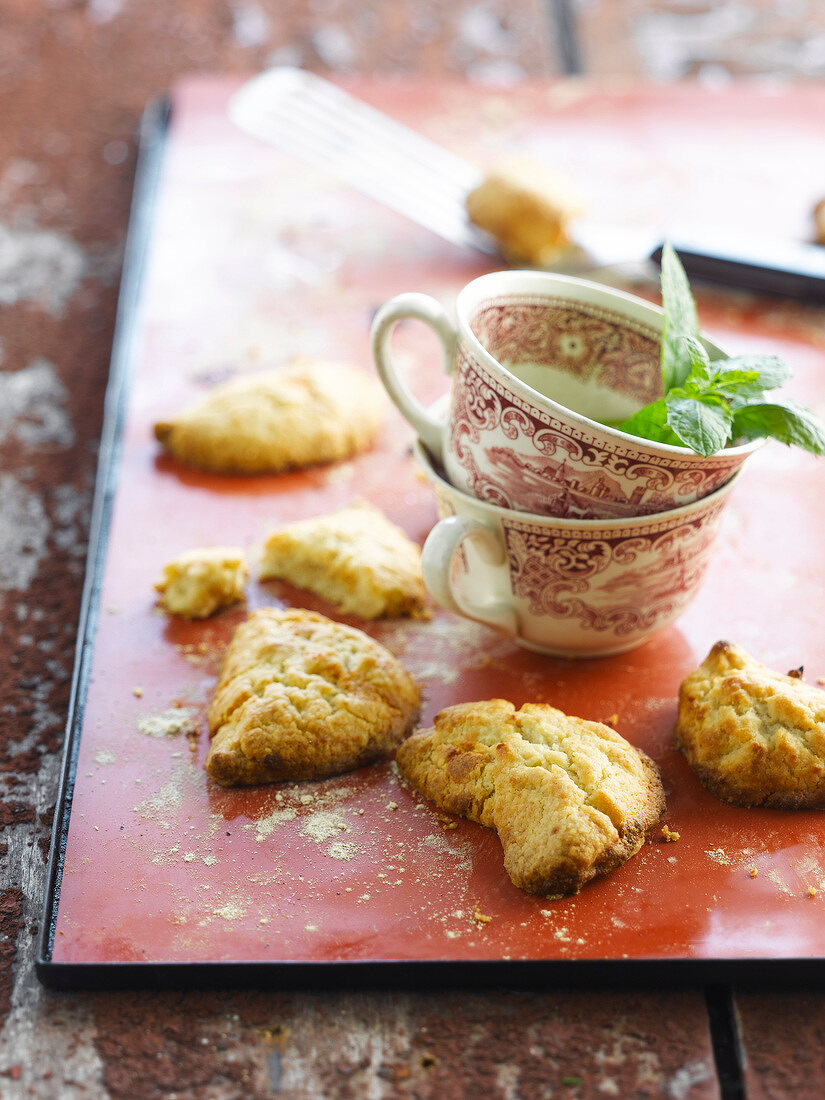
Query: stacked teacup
column 572, row 536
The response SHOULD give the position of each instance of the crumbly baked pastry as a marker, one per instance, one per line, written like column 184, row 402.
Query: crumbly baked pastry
column 302, row 697
column 355, row 558
column 198, row 583
column 569, row 799
column 754, row 737
column 526, row 208
column 295, row 416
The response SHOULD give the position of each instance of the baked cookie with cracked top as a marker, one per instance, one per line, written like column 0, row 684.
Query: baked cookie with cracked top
column 302, row 697
column 355, row 558
column 754, row 737
column 295, row 416
column 569, row 799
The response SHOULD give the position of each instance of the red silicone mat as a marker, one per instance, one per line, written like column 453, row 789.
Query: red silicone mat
column 255, row 259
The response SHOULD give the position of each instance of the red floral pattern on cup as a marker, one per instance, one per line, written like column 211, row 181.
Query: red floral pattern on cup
column 516, row 454
column 589, row 342
column 576, row 576
column 541, row 365
column 567, row 587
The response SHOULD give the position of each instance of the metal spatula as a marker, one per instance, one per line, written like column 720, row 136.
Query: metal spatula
column 330, row 129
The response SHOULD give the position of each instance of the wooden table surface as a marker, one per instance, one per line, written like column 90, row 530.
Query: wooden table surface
column 74, row 81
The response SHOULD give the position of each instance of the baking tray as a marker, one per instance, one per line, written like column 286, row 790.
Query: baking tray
column 237, row 256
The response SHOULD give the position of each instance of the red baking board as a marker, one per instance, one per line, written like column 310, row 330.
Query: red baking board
column 254, row 259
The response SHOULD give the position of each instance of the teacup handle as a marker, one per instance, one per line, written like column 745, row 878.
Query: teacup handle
column 436, row 566
column 421, row 307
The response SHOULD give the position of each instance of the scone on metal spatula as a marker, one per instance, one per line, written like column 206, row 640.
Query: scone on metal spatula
column 569, row 799
column 755, row 737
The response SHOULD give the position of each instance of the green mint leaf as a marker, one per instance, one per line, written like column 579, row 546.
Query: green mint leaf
column 745, row 376
column 786, row 421
column 698, row 360
column 651, row 423
column 701, row 423
column 680, row 321
column 708, row 403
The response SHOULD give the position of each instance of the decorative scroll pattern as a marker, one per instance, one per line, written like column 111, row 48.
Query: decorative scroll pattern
column 519, row 456
column 587, row 341
column 620, row 582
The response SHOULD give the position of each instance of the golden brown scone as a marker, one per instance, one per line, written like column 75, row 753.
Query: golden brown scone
column 754, row 737
column 355, row 558
column 302, row 697
column 526, row 208
column 295, row 416
column 569, row 799
column 198, row 583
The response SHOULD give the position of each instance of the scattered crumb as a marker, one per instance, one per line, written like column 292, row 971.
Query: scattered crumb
column 612, row 720
column 719, row 855
column 669, row 835
column 168, row 724
column 392, row 805
column 323, row 825
column 811, row 891
column 342, row 851
column 229, row 912
column 480, row 917
column 797, row 673
column 137, row 692
column 266, row 826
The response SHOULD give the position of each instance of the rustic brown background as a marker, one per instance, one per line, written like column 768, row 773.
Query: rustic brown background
column 74, row 78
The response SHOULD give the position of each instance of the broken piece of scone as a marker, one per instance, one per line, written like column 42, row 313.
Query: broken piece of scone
column 569, row 799
column 200, row 582
column 754, row 737
column 526, row 208
column 302, row 697
column 355, row 558
column 282, row 419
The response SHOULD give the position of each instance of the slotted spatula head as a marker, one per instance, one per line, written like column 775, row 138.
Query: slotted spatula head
column 325, row 126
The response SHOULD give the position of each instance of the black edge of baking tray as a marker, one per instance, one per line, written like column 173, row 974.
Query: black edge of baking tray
column 419, row 974
column 151, row 143
column 433, row 975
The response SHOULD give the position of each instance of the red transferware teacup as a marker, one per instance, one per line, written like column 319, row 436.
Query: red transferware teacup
column 566, row 587
column 539, row 362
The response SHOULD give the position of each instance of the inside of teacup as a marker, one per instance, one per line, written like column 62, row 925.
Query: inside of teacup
column 593, row 360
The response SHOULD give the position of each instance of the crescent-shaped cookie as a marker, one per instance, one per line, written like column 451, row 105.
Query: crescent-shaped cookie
column 569, row 799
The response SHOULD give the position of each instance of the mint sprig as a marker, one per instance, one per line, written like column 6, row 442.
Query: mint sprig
column 710, row 403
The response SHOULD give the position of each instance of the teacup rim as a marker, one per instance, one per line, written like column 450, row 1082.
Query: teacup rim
column 683, row 511
column 546, row 278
